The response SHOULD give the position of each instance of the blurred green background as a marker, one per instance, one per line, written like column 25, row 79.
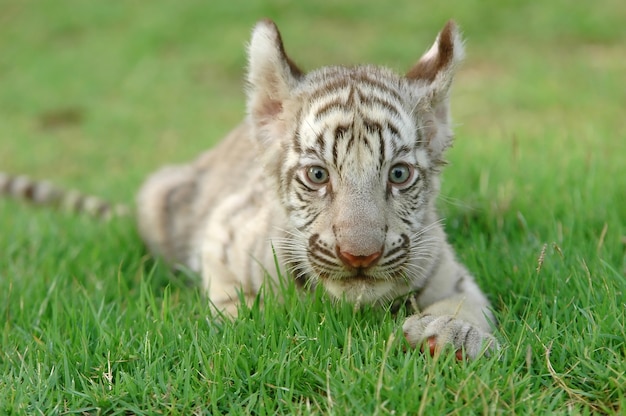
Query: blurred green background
column 96, row 94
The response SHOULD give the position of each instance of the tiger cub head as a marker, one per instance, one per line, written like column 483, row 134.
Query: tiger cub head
column 354, row 154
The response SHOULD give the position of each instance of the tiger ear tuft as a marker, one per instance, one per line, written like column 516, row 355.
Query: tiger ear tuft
column 433, row 75
column 271, row 73
column 437, row 65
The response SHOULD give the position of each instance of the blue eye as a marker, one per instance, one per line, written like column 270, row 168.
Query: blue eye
column 400, row 174
column 317, row 175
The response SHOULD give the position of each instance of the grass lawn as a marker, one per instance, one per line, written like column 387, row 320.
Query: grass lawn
column 95, row 95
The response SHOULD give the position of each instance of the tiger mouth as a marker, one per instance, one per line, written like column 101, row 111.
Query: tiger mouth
column 358, row 289
column 360, row 278
column 354, row 278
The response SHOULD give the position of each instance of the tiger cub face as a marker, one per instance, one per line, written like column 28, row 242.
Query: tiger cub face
column 354, row 155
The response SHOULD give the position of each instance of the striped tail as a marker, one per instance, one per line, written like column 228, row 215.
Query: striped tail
column 43, row 193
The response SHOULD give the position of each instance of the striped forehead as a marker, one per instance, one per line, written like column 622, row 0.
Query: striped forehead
column 356, row 117
column 346, row 92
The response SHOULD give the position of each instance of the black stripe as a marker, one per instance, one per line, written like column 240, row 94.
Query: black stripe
column 363, row 78
column 330, row 88
column 332, row 107
column 321, row 249
column 285, row 188
column 386, row 104
column 401, row 151
column 313, row 151
column 335, row 152
column 372, row 126
column 393, row 129
column 395, row 260
column 393, row 251
column 103, row 210
column 410, row 187
column 301, row 183
column 367, row 143
column 295, row 143
column 406, row 221
column 341, row 131
column 323, row 260
column 308, row 223
column 300, row 197
column 382, row 152
column 321, row 143
column 349, row 145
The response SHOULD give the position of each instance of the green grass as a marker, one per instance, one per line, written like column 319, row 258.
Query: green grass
column 95, row 95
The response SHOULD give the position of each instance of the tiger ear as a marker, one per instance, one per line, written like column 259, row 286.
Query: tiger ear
column 432, row 75
column 272, row 75
column 438, row 64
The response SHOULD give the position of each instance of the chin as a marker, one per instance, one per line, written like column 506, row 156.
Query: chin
column 360, row 291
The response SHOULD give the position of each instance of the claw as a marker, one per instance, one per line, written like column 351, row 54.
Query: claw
column 432, row 343
column 404, row 345
column 433, row 334
column 432, row 346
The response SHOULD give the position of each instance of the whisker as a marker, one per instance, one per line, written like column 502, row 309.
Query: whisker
column 315, row 132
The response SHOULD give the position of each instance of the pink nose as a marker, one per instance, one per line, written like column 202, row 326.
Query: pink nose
column 358, row 262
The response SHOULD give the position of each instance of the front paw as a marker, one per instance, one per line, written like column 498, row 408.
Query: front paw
column 439, row 331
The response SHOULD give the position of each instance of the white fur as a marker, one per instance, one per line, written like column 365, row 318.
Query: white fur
column 252, row 188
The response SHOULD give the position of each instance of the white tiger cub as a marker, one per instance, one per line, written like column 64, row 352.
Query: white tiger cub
column 338, row 170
